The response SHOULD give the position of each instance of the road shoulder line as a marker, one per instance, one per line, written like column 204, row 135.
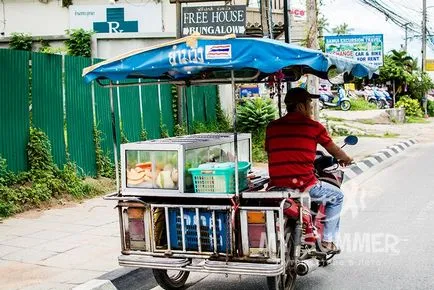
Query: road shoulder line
column 377, row 158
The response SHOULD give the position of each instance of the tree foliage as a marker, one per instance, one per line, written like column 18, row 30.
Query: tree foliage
column 342, row 29
column 21, row 41
column 79, row 42
column 402, row 69
column 255, row 114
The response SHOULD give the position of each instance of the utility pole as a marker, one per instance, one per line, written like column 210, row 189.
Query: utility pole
column 312, row 81
column 423, row 35
column 406, row 35
column 264, row 19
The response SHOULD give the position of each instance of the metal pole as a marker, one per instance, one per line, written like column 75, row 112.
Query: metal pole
column 178, row 20
column 179, row 90
column 234, row 101
column 423, row 35
column 287, row 26
column 115, row 147
column 286, row 20
column 394, row 93
column 406, row 36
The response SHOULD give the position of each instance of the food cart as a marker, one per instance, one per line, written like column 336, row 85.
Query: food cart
column 186, row 203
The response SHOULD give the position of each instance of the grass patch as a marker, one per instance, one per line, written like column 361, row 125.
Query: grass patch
column 390, row 135
column 367, row 121
column 336, row 119
column 415, row 120
column 361, row 105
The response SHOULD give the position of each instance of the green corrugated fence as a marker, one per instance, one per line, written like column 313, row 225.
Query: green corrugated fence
column 67, row 109
column 14, row 107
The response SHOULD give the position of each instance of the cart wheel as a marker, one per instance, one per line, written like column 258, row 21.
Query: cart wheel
column 170, row 280
column 345, row 105
column 285, row 281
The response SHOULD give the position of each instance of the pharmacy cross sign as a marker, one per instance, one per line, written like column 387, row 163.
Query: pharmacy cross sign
column 116, row 23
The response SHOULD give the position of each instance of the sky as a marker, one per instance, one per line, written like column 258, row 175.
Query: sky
column 366, row 20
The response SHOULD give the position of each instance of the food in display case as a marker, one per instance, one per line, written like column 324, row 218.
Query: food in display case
column 152, row 169
column 163, row 164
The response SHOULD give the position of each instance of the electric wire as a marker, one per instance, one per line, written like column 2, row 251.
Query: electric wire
column 399, row 19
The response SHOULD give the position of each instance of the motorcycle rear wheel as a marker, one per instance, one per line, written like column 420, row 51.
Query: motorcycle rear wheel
column 285, row 281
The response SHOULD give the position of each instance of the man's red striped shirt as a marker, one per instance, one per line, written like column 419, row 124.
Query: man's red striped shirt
column 291, row 143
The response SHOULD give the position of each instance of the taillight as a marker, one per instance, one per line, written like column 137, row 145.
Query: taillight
column 257, row 230
column 136, row 228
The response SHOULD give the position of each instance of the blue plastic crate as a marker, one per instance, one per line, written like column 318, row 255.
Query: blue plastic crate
column 190, row 230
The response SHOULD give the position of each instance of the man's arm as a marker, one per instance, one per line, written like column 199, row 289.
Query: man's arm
column 338, row 153
column 326, row 141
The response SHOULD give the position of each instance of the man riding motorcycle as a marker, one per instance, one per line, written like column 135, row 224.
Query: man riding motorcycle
column 291, row 143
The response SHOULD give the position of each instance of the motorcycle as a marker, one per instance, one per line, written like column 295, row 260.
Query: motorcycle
column 382, row 102
column 326, row 100
column 305, row 225
column 389, row 99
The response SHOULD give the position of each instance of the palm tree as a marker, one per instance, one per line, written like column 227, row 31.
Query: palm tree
column 401, row 58
column 342, row 29
column 323, row 26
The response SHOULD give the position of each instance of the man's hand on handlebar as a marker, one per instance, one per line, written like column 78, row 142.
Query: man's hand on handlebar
column 346, row 161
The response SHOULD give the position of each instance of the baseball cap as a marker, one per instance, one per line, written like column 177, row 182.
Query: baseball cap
column 298, row 95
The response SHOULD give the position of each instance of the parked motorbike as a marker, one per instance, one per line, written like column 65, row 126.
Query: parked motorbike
column 382, row 102
column 326, row 100
column 304, row 226
column 389, row 99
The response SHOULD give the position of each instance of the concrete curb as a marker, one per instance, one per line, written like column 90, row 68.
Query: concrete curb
column 377, row 158
column 96, row 284
column 109, row 280
column 121, row 278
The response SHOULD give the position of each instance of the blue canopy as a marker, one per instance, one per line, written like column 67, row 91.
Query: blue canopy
column 208, row 57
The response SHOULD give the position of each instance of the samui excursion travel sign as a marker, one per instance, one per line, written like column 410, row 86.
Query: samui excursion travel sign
column 366, row 48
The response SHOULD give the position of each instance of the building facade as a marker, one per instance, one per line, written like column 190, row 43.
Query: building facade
column 122, row 25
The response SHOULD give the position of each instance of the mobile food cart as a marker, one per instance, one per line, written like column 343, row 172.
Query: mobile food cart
column 187, row 203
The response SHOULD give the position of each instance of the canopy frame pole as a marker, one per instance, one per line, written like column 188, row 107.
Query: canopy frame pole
column 184, row 83
column 115, row 147
column 234, row 101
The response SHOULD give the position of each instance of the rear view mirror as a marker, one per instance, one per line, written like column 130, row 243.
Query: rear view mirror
column 351, row 140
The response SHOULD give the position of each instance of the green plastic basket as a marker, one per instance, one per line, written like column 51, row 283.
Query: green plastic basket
column 220, row 180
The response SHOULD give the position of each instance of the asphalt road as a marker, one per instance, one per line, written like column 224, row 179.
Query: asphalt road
column 386, row 233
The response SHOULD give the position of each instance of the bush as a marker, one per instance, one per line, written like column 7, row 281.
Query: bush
column 104, row 166
column 21, row 41
column 43, row 181
column 361, row 105
column 411, row 106
column 79, row 42
column 258, row 147
column 430, row 108
column 255, row 114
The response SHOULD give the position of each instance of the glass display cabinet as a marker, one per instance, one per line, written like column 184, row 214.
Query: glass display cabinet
column 161, row 166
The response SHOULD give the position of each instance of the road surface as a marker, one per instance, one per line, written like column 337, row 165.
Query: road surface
column 387, row 236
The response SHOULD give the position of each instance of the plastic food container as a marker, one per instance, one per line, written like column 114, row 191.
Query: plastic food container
column 219, row 177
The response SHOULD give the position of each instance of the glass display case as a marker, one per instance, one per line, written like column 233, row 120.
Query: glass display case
column 161, row 165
